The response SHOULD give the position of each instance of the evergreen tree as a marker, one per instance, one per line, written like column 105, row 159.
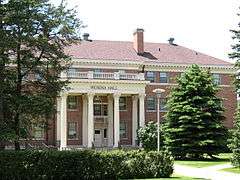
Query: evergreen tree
column 33, row 36
column 193, row 124
column 235, row 142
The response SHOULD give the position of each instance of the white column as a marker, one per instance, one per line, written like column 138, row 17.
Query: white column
column 90, row 123
column 141, row 110
column 58, row 119
column 110, row 121
column 63, row 117
column 84, row 121
column 134, row 119
column 116, row 120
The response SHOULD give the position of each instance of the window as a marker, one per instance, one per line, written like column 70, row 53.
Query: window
column 121, row 71
column 123, row 130
column 151, row 104
column 39, row 132
column 163, row 77
column 72, row 130
column 163, row 102
column 100, row 109
column 123, row 103
column 216, row 79
column 71, row 72
column 150, row 76
column 72, row 102
column 97, row 70
column 105, row 133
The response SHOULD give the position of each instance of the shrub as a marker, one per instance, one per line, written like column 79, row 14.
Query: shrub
column 86, row 164
column 148, row 136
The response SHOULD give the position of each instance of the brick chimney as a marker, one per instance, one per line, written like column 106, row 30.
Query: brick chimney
column 138, row 43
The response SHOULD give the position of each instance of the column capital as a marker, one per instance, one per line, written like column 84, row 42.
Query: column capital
column 63, row 95
column 141, row 95
column 90, row 95
column 116, row 95
column 134, row 97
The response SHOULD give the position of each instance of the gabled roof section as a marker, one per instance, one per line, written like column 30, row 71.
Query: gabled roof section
column 154, row 52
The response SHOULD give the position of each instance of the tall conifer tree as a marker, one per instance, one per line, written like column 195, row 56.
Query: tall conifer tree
column 235, row 145
column 194, row 119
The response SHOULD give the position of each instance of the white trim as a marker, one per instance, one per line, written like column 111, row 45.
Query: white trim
column 149, row 65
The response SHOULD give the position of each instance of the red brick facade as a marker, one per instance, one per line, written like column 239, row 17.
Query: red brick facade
column 226, row 91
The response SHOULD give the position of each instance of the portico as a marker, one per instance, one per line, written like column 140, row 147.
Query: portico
column 101, row 112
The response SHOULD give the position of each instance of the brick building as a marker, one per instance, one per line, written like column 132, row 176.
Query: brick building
column 111, row 89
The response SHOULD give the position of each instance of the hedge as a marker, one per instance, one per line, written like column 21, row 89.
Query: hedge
column 86, row 164
column 235, row 159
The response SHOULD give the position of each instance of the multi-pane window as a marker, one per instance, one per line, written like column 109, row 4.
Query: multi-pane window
column 39, row 132
column 100, row 109
column 150, row 76
column 216, row 79
column 151, row 104
column 163, row 103
column 97, row 70
column 71, row 72
column 72, row 102
column 123, row 129
column 123, row 103
column 105, row 133
column 72, row 130
column 163, row 77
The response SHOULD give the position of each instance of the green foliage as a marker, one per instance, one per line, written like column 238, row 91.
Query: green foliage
column 235, row 144
column 148, row 136
column 33, row 35
column 85, row 164
column 193, row 123
column 235, row 141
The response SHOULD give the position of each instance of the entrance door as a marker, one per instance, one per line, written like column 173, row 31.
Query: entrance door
column 97, row 138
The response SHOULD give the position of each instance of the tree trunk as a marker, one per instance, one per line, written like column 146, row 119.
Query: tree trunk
column 17, row 132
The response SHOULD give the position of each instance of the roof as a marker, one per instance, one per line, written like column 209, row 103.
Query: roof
column 123, row 50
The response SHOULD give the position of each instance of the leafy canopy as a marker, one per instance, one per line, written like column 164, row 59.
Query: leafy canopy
column 33, row 35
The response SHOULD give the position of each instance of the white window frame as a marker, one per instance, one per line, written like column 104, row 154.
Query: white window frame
column 72, row 109
column 167, row 77
column 216, row 81
column 154, row 76
column 126, row 130
column 76, row 129
column 123, row 97
column 147, row 100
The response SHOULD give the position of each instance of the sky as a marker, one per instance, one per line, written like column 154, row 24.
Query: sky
column 202, row 25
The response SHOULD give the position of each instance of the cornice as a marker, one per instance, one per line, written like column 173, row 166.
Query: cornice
column 149, row 65
column 107, row 81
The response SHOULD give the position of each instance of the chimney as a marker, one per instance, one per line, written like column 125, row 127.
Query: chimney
column 85, row 37
column 170, row 41
column 138, row 43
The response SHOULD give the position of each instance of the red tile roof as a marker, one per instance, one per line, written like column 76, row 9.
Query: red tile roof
column 154, row 52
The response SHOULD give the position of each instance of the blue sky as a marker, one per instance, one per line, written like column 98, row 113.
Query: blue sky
column 202, row 25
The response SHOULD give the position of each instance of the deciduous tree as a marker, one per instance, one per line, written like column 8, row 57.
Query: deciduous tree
column 33, row 36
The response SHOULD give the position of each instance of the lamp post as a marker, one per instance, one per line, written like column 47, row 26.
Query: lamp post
column 158, row 92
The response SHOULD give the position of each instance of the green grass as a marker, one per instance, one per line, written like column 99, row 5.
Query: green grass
column 176, row 177
column 223, row 158
column 232, row 170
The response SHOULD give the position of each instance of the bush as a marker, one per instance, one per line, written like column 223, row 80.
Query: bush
column 148, row 136
column 235, row 159
column 86, row 164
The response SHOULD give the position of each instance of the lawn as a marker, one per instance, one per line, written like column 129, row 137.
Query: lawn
column 177, row 177
column 232, row 170
column 223, row 158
